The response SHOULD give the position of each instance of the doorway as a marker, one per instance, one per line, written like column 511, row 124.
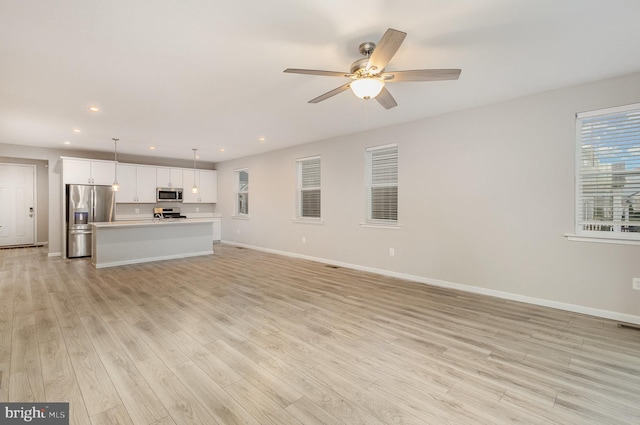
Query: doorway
column 18, row 211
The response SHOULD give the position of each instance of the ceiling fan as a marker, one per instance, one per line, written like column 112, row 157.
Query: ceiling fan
column 367, row 74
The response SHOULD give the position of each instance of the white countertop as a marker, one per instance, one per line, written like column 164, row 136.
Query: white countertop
column 153, row 222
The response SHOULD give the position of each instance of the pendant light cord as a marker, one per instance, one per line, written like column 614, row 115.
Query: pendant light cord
column 194, row 189
column 115, row 186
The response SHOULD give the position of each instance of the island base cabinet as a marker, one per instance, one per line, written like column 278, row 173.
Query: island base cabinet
column 217, row 230
column 116, row 244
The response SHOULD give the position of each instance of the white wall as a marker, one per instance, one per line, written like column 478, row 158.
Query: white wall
column 486, row 196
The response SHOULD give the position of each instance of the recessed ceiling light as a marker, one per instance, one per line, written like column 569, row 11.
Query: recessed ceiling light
column 152, row 148
column 262, row 139
column 66, row 142
column 221, row 149
column 94, row 109
column 75, row 130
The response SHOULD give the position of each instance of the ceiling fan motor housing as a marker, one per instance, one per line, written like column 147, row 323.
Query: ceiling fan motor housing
column 366, row 48
column 359, row 67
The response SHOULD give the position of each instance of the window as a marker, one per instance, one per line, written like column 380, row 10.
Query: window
column 382, row 184
column 608, row 180
column 242, row 192
column 308, row 178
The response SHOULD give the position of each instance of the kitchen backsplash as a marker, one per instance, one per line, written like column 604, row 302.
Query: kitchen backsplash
column 145, row 211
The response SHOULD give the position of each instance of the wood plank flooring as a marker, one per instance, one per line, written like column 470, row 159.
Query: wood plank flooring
column 246, row 337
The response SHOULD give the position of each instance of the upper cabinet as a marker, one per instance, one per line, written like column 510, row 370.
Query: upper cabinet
column 126, row 175
column 85, row 171
column 207, row 183
column 137, row 184
column 169, row 177
column 208, row 186
column 146, row 184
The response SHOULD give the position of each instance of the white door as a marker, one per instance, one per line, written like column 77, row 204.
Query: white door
column 18, row 215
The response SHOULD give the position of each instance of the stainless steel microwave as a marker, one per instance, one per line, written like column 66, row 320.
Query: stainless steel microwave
column 168, row 194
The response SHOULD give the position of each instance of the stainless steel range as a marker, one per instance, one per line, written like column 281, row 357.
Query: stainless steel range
column 167, row 213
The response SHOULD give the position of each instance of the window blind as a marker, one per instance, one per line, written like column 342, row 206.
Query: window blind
column 309, row 189
column 382, row 183
column 608, row 182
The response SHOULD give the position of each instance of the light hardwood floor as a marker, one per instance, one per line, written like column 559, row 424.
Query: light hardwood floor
column 246, row 337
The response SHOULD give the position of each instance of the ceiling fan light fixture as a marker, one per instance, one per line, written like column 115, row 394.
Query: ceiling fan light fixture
column 366, row 88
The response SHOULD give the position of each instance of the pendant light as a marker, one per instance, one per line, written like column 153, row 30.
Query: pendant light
column 115, row 186
column 194, row 189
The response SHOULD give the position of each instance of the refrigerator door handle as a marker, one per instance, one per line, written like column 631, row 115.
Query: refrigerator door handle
column 93, row 205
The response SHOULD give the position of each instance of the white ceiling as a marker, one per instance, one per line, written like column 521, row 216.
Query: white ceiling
column 208, row 74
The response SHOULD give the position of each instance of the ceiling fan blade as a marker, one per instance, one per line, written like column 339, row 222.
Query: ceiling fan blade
column 422, row 75
column 385, row 99
column 331, row 93
column 386, row 48
column 317, row 72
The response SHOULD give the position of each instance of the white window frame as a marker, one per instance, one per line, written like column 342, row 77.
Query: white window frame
column 239, row 191
column 604, row 216
column 371, row 184
column 305, row 183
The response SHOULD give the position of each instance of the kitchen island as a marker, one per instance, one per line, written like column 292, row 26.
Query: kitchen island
column 129, row 242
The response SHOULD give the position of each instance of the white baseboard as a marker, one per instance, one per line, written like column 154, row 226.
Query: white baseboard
column 606, row 314
column 150, row 259
column 54, row 254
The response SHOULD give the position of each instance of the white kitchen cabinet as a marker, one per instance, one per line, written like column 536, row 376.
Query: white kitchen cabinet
column 103, row 172
column 137, row 184
column 76, row 171
column 85, row 171
column 217, row 230
column 207, row 182
column 208, row 186
column 126, row 180
column 188, row 197
column 169, row 177
column 146, row 184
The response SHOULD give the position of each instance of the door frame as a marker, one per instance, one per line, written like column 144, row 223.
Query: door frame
column 34, row 223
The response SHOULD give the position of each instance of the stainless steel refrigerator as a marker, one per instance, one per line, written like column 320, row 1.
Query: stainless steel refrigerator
column 86, row 204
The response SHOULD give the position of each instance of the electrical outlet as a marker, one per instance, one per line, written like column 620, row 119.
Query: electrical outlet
column 304, row 240
column 137, row 210
column 238, row 231
column 392, row 252
column 635, row 283
column 197, row 209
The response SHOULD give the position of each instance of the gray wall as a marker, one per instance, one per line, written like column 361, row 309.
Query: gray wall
column 486, row 197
